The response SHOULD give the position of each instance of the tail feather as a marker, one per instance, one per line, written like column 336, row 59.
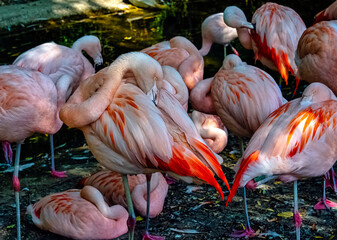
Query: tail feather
column 185, row 163
column 321, row 17
column 243, row 167
column 213, row 162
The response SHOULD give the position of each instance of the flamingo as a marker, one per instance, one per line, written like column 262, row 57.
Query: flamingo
column 330, row 13
column 244, row 96
column 67, row 67
column 29, row 103
column 135, row 128
column 315, row 61
column 273, row 35
column 181, row 54
column 211, row 129
column 110, row 184
column 296, row 141
column 214, row 30
column 79, row 214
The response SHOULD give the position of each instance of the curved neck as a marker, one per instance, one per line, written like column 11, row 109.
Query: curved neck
column 245, row 38
column 200, row 97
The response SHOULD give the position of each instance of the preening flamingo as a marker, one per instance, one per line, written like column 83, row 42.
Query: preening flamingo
column 296, row 141
column 67, row 67
column 110, row 184
column 29, row 103
column 181, row 54
column 211, row 129
column 273, row 35
column 79, row 214
column 244, row 96
column 214, row 30
column 330, row 13
column 132, row 127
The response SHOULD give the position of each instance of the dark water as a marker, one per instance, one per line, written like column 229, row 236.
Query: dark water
column 121, row 32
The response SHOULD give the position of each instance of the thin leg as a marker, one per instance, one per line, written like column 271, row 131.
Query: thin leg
column 297, row 218
column 147, row 235
column 248, row 231
column 53, row 172
column 325, row 203
column 16, row 185
column 132, row 216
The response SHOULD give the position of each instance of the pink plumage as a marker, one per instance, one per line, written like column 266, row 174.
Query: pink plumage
column 79, row 214
column 109, row 183
column 181, row 54
column 330, row 13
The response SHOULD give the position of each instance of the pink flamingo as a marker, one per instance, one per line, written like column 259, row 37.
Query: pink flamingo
column 214, row 30
column 67, row 67
column 201, row 97
column 296, row 141
column 79, row 214
column 315, row 59
column 134, row 127
column 273, row 35
column 29, row 103
column 110, row 184
column 211, row 129
column 181, row 54
column 330, row 13
column 239, row 93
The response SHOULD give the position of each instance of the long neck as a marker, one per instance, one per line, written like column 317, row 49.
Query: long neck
column 200, row 97
column 95, row 197
column 245, row 38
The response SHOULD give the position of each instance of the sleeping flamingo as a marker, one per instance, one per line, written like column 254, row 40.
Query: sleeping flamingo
column 29, row 103
column 181, row 54
column 211, row 129
column 330, row 13
column 214, row 30
column 296, row 141
column 67, row 67
column 110, row 184
column 244, row 96
column 132, row 127
column 273, row 35
column 79, row 214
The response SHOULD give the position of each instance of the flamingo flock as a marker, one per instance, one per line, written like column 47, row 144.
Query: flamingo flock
column 151, row 114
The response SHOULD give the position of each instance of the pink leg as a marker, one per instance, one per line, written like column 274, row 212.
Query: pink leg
column 248, row 231
column 330, row 179
column 146, row 235
column 6, row 146
column 53, row 172
column 324, row 203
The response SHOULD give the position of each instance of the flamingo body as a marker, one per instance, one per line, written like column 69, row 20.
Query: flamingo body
column 296, row 141
column 214, row 30
column 110, row 184
column 316, row 54
column 274, row 37
column 239, row 93
column 79, row 214
column 181, row 54
column 130, row 134
column 330, row 13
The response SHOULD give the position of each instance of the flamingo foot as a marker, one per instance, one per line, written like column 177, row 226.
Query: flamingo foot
column 6, row 146
column 247, row 232
column 147, row 236
column 327, row 204
column 170, row 180
column 58, row 174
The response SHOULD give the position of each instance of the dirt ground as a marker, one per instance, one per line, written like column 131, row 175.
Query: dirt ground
column 200, row 215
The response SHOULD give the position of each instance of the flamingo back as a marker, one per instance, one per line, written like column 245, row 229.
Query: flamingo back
column 330, row 13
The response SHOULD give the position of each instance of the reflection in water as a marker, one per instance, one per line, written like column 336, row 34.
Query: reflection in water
column 125, row 31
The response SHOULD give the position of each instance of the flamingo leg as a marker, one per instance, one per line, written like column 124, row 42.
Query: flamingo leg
column 16, row 186
column 324, row 203
column 53, row 172
column 6, row 146
column 297, row 218
column 248, row 231
column 234, row 50
column 330, row 179
column 132, row 216
column 147, row 235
